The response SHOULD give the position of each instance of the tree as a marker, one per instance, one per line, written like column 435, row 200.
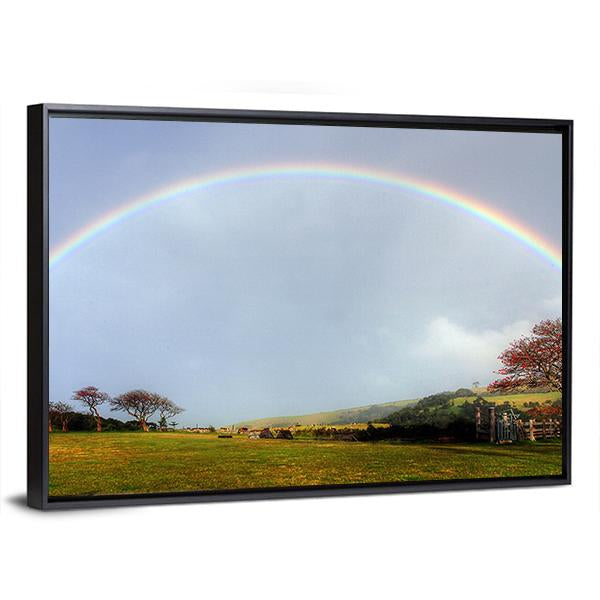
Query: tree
column 63, row 412
column 476, row 384
column 139, row 404
column 545, row 412
column 52, row 416
column 92, row 397
column 533, row 361
column 166, row 410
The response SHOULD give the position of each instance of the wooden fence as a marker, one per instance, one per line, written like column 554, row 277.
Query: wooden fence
column 505, row 428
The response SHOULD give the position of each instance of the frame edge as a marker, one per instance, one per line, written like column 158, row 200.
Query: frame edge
column 567, row 250
column 37, row 456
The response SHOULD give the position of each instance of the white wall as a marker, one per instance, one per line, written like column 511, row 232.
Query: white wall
column 521, row 59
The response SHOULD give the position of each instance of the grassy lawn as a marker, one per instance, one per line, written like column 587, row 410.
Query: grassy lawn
column 129, row 463
column 518, row 401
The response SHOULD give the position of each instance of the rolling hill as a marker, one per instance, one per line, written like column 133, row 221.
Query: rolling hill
column 360, row 414
column 375, row 412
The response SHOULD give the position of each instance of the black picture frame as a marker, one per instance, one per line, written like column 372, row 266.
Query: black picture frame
column 37, row 295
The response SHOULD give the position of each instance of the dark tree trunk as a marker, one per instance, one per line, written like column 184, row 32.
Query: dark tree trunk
column 49, row 425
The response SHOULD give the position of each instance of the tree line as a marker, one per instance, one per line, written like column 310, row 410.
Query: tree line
column 139, row 404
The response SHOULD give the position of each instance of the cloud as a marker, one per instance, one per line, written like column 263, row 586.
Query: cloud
column 553, row 304
column 467, row 351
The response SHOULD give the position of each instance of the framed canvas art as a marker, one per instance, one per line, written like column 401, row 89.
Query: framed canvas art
column 230, row 304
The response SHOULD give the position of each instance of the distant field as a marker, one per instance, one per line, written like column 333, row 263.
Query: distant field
column 517, row 400
column 349, row 427
column 359, row 414
column 128, row 463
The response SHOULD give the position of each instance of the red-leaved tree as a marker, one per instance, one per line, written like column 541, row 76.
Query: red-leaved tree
column 92, row 397
column 544, row 412
column 533, row 361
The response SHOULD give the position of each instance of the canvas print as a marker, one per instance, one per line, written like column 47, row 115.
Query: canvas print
column 250, row 306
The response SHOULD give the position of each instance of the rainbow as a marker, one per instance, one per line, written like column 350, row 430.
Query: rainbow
column 502, row 222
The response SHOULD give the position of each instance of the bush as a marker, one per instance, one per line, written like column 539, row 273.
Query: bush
column 435, row 416
column 85, row 422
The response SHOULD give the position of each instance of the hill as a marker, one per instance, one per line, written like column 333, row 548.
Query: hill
column 377, row 412
column 360, row 414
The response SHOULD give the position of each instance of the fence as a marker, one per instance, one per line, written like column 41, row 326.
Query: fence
column 506, row 427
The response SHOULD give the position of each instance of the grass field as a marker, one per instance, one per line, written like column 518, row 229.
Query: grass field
column 518, row 401
column 128, row 463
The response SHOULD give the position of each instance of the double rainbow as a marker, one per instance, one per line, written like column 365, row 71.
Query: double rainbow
column 504, row 223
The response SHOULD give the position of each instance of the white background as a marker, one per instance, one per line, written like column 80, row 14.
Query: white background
column 518, row 59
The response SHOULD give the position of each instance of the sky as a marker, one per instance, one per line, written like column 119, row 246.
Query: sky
column 296, row 294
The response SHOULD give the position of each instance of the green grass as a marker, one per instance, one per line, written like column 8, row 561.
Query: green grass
column 85, row 464
column 518, row 401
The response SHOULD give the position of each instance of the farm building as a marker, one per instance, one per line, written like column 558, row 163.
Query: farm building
column 284, row 434
column 262, row 433
column 266, row 433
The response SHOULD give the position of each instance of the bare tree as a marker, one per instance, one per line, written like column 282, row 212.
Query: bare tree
column 92, row 397
column 63, row 412
column 166, row 410
column 139, row 404
column 52, row 416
